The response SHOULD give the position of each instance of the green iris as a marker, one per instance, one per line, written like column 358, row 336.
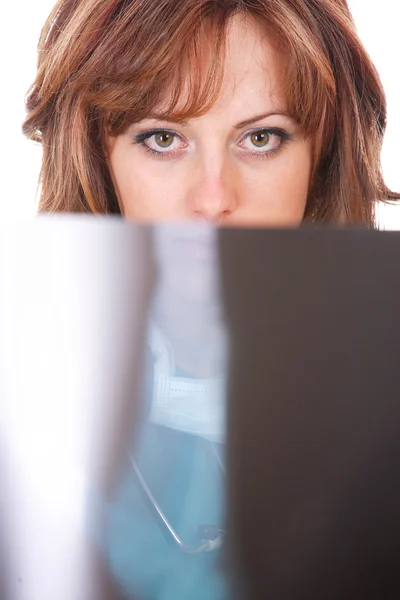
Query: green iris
column 164, row 139
column 260, row 138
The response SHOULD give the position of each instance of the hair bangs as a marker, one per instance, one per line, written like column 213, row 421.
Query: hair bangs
column 181, row 81
column 307, row 74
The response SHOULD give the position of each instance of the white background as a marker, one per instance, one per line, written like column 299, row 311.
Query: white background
column 20, row 159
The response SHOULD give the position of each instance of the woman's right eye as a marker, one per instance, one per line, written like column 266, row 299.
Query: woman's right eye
column 160, row 141
column 163, row 140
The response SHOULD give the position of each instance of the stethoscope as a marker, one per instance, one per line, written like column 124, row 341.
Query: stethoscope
column 210, row 535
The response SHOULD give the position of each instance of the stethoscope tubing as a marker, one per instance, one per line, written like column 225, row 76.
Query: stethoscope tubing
column 206, row 545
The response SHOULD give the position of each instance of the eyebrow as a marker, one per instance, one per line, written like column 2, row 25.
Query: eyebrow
column 240, row 125
column 256, row 118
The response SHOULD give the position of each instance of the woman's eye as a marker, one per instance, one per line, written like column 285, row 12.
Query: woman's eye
column 263, row 141
column 260, row 139
column 164, row 139
column 160, row 142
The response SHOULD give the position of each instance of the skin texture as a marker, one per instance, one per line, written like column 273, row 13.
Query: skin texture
column 213, row 169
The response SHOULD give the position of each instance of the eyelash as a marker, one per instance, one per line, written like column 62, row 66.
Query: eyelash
column 284, row 136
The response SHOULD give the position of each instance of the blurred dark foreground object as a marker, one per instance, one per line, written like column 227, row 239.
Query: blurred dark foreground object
column 314, row 417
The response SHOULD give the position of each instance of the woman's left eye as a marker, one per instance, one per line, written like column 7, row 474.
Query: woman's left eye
column 265, row 141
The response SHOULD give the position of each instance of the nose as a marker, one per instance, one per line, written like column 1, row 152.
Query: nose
column 214, row 195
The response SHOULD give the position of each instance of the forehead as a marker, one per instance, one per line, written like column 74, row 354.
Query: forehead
column 251, row 55
column 253, row 69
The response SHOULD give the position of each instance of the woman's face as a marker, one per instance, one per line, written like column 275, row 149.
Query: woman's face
column 245, row 162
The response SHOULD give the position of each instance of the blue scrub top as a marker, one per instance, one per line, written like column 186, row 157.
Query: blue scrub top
column 186, row 480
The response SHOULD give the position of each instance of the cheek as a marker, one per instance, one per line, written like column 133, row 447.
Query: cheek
column 145, row 192
column 279, row 188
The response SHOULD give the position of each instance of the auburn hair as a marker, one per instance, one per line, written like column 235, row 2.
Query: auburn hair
column 105, row 64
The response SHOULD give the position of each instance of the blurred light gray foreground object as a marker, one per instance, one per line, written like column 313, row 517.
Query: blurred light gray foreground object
column 314, row 412
column 74, row 296
column 187, row 325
